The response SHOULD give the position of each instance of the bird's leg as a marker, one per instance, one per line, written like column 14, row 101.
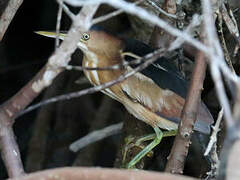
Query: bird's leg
column 157, row 136
column 147, row 149
column 153, row 136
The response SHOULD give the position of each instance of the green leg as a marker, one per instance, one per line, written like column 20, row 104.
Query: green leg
column 153, row 136
column 157, row 139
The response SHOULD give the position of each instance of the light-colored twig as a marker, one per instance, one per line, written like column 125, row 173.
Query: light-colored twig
column 8, row 15
column 153, row 4
column 111, row 15
column 58, row 25
column 140, row 12
column 216, row 60
column 149, row 59
column 212, row 148
column 66, row 10
column 96, row 136
column 213, row 138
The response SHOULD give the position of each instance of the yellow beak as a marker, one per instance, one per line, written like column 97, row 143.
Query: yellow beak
column 51, row 34
column 61, row 35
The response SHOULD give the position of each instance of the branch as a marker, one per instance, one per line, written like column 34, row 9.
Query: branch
column 182, row 141
column 99, row 174
column 43, row 79
column 8, row 15
column 143, row 14
column 96, row 136
column 148, row 59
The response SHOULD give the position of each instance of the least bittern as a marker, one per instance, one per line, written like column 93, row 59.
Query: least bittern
column 155, row 95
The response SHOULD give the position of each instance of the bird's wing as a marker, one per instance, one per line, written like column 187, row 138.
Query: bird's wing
column 163, row 72
column 164, row 102
column 166, row 76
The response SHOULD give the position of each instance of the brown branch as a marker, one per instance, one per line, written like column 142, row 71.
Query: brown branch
column 8, row 15
column 148, row 59
column 43, row 79
column 188, row 118
column 99, row 174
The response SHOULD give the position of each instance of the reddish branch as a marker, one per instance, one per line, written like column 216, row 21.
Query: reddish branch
column 100, row 174
column 188, row 118
column 43, row 79
column 8, row 15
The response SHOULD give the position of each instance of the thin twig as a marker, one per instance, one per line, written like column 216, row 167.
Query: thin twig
column 140, row 12
column 217, row 60
column 212, row 148
column 213, row 138
column 111, row 15
column 95, row 136
column 59, row 17
column 66, row 10
column 149, row 59
column 153, row 4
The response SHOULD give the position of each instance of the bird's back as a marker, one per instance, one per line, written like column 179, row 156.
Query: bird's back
column 165, row 74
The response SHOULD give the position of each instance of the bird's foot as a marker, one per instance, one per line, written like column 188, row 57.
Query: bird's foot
column 146, row 151
column 133, row 146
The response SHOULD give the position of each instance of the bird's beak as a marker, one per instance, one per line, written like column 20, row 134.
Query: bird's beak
column 61, row 35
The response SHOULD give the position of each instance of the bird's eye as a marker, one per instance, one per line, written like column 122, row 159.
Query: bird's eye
column 85, row 36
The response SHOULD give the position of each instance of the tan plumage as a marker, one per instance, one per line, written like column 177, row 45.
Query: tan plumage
column 141, row 96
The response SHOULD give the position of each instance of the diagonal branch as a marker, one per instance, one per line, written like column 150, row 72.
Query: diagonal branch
column 8, row 15
column 182, row 141
column 43, row 79
column 148, row 59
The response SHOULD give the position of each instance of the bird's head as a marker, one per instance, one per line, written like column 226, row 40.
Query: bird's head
column 98, row 42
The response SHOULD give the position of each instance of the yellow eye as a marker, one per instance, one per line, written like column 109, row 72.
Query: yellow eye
column 85, row 36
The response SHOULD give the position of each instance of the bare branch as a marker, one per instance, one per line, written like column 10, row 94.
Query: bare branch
column 213, row 138
column 149, row 59
column 140, row 12
column 43, row 79
column 95, row 136
column 8, row 15
column 99, row 174
column 161, row 10
column 182, row 141
column 59, row 17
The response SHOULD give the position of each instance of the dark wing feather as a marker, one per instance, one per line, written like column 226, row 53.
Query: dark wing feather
column 166, row 79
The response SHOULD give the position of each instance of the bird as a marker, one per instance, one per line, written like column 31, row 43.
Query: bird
column 155, row 95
